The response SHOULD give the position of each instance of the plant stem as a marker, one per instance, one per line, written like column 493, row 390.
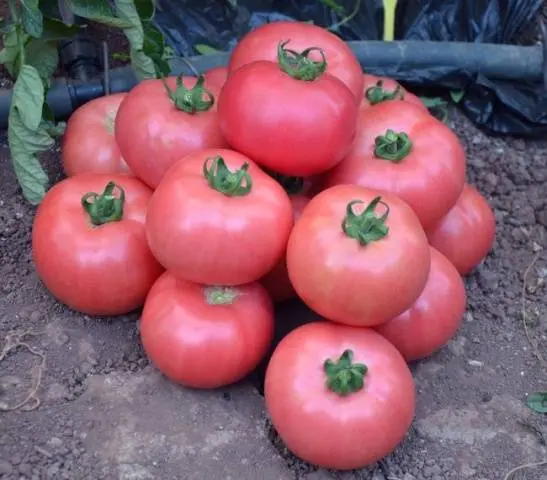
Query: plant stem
column 390, row 7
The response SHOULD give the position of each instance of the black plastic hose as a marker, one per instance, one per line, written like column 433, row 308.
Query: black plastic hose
column 508, row 62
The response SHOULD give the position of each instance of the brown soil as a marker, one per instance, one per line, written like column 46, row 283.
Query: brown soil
column 98, row 410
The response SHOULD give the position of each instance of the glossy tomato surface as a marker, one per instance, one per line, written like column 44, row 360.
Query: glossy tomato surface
column 467, row 233
column 153, row 133
column 317, row 423
column 381, row 89
column 262, row 43
column 216, row 78
column 349, row 282
column 205, row 236
column 206, row 337
column 434, row 318
column 99, row 270
column 430, row 177
column 277, row 280
column 89, row 144
column 293, row 127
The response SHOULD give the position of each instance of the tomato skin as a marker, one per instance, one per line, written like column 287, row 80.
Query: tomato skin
column 216, row 78
column 467, row 232
column 276, row 281
column 389, row 85
column 292, row 127
column 261, row 44
column 89, row 144
column 434, row 318
column 206, row 237
column 322, row 427
column 153, row 134
column 203, row 345
column 430, row 178
column 104, row 270
column 349, row 283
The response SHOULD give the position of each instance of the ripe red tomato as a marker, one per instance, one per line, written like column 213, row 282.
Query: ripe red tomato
column 206, row 337
column 357, row 256
column 154, row 129
column 434, row 318
column 339, row 397
column 89, row 244
column 88, row 143
column 466, row 234
column 277, row 280
column 216, row 218
column 382, row 89
column 404, row 150
column 285, row 123
column 262, row 43
column 216, row 78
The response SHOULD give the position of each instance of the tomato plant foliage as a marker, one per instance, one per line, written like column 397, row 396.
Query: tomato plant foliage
column 30, row 56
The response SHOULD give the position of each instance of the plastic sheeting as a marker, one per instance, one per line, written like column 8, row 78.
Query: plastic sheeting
column 498, row 106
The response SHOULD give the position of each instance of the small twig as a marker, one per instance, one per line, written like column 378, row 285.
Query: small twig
column 524, row 314
column 14, row 341
column 522, row 467
column 345, row 20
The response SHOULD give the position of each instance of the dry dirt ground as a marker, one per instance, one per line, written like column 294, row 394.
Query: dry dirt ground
column 98, row 410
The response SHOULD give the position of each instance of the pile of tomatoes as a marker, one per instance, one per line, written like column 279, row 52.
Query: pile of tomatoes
column 290, row 173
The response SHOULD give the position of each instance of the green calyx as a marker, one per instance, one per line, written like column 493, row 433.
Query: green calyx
column 343, row 376
column 219, row 295
column 366, row 227
column 190, row 100
column 104, row 208
column 298, row 65
column 376, row 94
column 231, row 184
column 392, row 146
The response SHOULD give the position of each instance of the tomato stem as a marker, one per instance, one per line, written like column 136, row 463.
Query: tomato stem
column 366, row 227
column 392, row 146
column 231, row 184
column 298, row 65
column 190, row 100
column 106, row 207
column 219, row 295
column 344, row 376
column 377, row 94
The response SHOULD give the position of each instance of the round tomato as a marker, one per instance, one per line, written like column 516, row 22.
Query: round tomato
column 434, row 318
column 206, row 337
column 404, row 150
column 289, row 116
column 89, row 244
column 88, row 143
column 277, row 280
column 216, row 78
column 358, row 257
column 216, row 218
column 466, row 234
column 262, row 44
column 339, row 397
column 382, row 89
column 156, row 126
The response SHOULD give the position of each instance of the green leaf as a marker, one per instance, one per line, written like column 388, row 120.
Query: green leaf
column 456, row 95
column 203, row 49
column 6, row 26
column 431, row 102
column 9, row 55
column 142, row 64
column 145, row 9
column 43, row 56
column 537, row 402
column 57, row 30
column 31, row 17
column 97, row 10
column 27, row 135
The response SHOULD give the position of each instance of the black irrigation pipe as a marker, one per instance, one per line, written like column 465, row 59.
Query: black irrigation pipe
column 508, row 62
